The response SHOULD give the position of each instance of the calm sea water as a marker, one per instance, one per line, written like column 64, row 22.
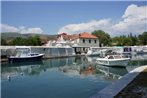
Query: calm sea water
column 73, row 77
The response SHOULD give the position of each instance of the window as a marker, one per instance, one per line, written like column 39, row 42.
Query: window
column 83, row 40
column 89, row 41
column 95, row 41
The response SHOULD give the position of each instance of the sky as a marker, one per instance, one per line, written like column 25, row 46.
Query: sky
column 52, row 17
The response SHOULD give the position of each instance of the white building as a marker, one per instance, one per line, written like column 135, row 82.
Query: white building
column 80, row 42
column 86, row 40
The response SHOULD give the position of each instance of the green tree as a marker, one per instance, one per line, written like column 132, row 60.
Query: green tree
column 129, row 40
column 37, row 40
column 135, row 40
column 3, row 42
column 32, row 41
column 143, row 38
column 103, row 37
column 17, row 41
column 118, row 40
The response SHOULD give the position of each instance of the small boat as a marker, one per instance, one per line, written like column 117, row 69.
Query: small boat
column 113, row 60
column 24, row 54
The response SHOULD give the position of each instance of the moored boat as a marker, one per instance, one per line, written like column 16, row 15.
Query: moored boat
column 24, row 54
column 113, row 60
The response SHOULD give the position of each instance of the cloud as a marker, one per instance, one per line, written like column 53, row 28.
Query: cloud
column 8, row 28
column 34, row 30
column 20, row 29
column 134, row 20
column 85, row 27
column 31, row 30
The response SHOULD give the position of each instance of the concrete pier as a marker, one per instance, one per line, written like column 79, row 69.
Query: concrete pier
column 116, row 87
column 50, row 52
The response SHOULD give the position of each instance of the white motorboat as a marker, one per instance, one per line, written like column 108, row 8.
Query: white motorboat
column 113, row 60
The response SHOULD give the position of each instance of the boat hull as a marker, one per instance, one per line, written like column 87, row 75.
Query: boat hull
column 24, row 59
column 116, row 63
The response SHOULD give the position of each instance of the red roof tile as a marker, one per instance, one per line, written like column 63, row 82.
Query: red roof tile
column 86, row 35
column 76, row 36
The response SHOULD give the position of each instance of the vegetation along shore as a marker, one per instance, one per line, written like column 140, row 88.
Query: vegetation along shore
column 9, row 38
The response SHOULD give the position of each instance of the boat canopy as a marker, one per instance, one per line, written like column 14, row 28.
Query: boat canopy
column 114, row 56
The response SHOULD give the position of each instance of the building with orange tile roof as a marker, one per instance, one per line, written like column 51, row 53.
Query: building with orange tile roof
column 80, row 42
column 87, row 35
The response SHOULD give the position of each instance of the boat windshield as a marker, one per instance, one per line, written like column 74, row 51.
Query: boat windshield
column 25, row 53
column 110, row 57
column 18, row 53
column 114, row 56
column 22, row 52
column 117, row 57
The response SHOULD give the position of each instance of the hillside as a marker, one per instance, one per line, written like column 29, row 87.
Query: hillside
column 12, row 35
column 8, row 36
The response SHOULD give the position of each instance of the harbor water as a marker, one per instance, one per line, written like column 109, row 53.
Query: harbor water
column 72, row 77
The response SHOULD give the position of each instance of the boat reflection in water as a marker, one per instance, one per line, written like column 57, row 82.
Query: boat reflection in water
column 19, row 69
column 78, row 70
column 104, row 71
column 89, row 68
column 111, row 72
column 74, row 66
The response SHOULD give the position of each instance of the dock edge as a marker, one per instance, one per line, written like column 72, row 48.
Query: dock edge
column 112, row 90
